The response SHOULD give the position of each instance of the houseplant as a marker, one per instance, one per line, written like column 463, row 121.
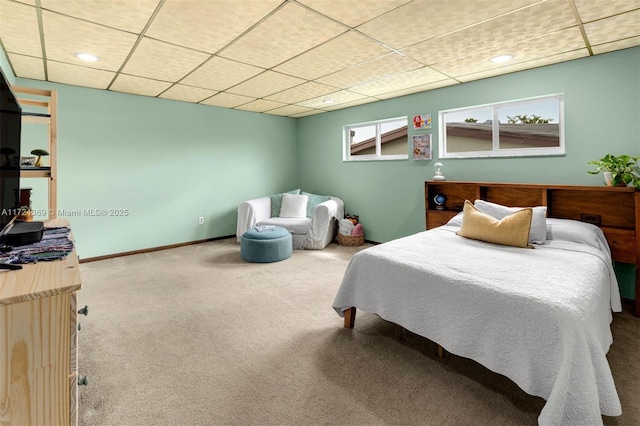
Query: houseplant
column 619, row 170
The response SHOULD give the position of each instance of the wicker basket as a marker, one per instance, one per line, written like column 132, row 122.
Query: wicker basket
column 350, row 240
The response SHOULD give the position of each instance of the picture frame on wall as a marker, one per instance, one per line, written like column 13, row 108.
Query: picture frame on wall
column 422, row 122
column 422, row 147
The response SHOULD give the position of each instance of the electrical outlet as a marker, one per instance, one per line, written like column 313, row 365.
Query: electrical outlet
column 201, row 220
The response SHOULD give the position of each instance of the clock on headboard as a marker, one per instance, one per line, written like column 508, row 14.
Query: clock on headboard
column 616, row 210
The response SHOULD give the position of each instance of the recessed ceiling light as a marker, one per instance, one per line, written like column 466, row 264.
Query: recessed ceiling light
column 501, row 58
column 86, row 56
column 328, row 101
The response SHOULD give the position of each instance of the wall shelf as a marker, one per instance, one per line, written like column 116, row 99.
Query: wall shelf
column 35, row 172
column 50, row 102
column 35, row 117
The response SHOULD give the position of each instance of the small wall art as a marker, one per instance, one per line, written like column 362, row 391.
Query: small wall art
column 421, row 122
column 422, row 147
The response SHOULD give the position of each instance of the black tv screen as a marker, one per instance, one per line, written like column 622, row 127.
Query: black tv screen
column 10, row 127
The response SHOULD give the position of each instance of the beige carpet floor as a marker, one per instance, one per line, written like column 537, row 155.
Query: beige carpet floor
column 196, row 336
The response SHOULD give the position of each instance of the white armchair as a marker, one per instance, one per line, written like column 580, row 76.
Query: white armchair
column 314, row 232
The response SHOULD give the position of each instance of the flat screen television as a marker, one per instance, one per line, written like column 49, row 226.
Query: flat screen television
column 10, row 128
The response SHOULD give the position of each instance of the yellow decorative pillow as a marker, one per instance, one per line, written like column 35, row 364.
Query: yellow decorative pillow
column 512, row 230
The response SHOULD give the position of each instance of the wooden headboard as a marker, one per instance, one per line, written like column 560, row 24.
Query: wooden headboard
column 616, row 210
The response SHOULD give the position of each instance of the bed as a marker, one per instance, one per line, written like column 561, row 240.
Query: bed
column 539, row 316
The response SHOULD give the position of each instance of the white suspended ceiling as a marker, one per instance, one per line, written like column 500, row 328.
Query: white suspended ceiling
column 301, row 57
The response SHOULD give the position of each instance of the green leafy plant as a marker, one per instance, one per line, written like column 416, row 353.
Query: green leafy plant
column 525, row 119
column 623, row 169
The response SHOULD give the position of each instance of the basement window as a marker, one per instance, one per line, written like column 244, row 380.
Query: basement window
column 376, row 140
column 531, row 127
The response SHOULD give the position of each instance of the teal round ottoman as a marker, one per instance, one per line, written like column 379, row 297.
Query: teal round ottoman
column 266, row 246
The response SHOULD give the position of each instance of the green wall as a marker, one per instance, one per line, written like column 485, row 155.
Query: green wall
column 166, row 162
column 170, row 162
column 602, row 115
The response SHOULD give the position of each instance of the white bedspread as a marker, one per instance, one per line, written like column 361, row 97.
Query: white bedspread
column 538, row 316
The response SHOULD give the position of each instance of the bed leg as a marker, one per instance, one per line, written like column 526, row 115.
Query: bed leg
column 440, row 352
column 349, row 317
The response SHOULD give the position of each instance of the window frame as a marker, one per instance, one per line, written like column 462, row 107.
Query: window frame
column 378, row 156
column 496, row 151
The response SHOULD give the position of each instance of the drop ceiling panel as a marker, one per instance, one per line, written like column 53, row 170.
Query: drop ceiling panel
column 207, row 25
column 27, row 66
column 615, row 28
column 533, row 49
column 511, row 28
column 124, row 15
column 220, row 74
column 19, row 28
column 265, row 84
column 302, row 92
column 163, row 61
column 260, row 105
column 399, row 82
column 61, row 72
column 227, row 100
column 289, row 110
column 308, row 113
column 348, row 49
column 138, row 85
column 424, row 19
column 65, row 36
column 308, row 50
column 357, row 102
column 353, row 13
column 616, row 45
column 417, row 89
column 290, row 31
column 590, row 10
column 389, row 64
column 339, row 97
column 180, row 92
column 569, row 56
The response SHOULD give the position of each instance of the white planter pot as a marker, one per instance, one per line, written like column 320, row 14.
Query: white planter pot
column 608, row 179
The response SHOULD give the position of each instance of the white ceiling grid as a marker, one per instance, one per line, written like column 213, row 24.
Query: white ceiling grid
column 301, row 57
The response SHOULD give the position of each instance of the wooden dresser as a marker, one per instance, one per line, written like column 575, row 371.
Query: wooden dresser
column 38, row 345
column 616, row 210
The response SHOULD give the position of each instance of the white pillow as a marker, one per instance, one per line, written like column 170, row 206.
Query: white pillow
column 538, row 232
column 577, row 232
column 456, row 220
column 294, row 205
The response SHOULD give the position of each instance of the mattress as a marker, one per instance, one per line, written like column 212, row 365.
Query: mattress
column 539, row 316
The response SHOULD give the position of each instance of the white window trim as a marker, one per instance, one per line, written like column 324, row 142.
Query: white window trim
column 497, row 152
column 346, row 142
